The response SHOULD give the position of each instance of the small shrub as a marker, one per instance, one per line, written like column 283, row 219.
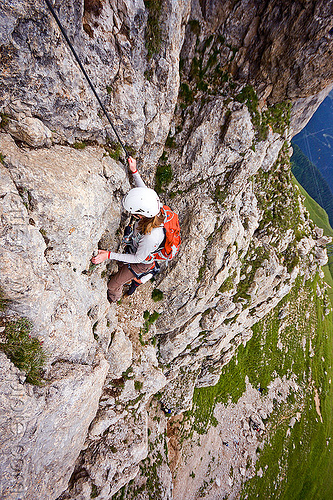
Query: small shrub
column 94, row 491
column 149, row 320
column 24, row 351
column 128, row 373
column 157, row 295
column 170, row 142
column 278, row 116
column 186, row 94
column 250, row 98
column 153, row 30
column 4, row 120
column 220, row 194
column 79, row 145
column 195, row 26
column 164, row 176
column 43, row 232
column 153, row 317
column 227, row 285
column 201, row 273
column 148, row 74
column 138, row 385
column 114, row 149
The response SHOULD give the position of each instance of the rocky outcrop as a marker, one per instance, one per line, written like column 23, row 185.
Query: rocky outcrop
column 246, row 236
column 257, row 46
column 41, row 81
column 44, row 430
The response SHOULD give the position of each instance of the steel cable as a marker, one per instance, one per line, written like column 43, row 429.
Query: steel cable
column 85, row 73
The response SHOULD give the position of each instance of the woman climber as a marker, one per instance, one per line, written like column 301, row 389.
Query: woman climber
column 152, row 239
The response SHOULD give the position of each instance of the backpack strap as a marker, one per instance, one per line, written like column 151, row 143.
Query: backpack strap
column 162, row 244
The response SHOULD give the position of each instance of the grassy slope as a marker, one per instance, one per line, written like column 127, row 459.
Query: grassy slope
column 306, row 461
column 317, row 214
column 320, row 218
column 300, row 466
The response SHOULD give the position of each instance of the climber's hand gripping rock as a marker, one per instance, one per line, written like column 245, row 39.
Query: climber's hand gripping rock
column 100, row 257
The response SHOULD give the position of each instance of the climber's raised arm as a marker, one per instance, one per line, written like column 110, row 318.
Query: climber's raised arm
column 134, row 171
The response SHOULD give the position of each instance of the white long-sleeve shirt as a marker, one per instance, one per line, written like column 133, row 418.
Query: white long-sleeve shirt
column 145, row 244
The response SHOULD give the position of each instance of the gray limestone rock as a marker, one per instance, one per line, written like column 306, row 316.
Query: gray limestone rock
column 30, row 130
column 43, row 430
column 178, row 394
column 59, row 203
column 119, row 354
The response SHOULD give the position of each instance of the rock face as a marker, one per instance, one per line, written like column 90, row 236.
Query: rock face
column 44, row 428
column 222, row 122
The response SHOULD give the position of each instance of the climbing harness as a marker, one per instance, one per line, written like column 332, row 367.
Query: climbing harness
column 127, row 241
column 85, row 74
column 129, row 248
column 140, row 279
column 128, row 234
column 147, row 275
column 166, row 251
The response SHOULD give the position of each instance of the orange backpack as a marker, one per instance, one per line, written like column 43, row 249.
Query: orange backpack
column 172, row 239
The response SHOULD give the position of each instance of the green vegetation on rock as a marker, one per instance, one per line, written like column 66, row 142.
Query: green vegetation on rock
column 157, row 295
column 276, row 116
column 250, row 98
column 4, row 120
column 153, row 29
column 94, row 491
column 149, row 318
column 114, row 149
column 207, row 73
column 279, row 201
column 164, row 174
column 22, row 349
column 79, row 145
column 149, row 482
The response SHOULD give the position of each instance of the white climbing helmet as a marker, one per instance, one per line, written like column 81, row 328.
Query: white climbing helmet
column 142, row 201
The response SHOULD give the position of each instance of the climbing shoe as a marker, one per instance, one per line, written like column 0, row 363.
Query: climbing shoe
column 134, row 285
column 109, row 298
